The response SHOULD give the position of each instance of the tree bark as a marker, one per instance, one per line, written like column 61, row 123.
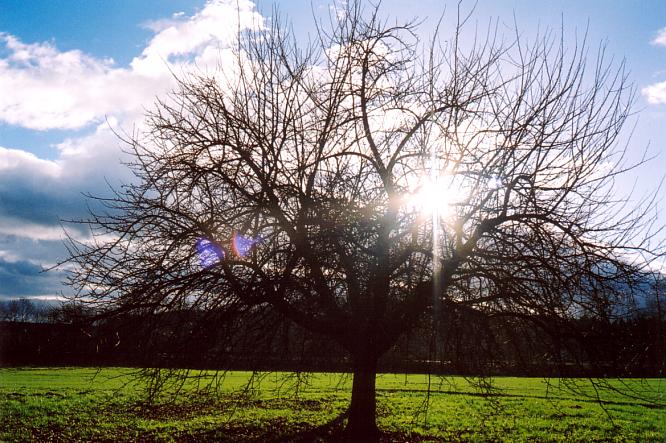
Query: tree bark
column 362, row 424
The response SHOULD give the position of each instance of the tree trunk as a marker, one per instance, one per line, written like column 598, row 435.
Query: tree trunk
column 362, row 425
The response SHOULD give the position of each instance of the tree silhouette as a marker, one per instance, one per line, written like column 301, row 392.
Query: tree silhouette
column 19, row 310
column 368, row 182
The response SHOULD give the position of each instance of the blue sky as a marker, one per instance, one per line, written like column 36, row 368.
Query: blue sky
column 72, row 72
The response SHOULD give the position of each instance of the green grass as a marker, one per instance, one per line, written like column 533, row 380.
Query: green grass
column 74, row 404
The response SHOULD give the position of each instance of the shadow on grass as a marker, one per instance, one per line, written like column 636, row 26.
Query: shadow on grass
column 178, row 421
column 278, row 431
column 271, row 431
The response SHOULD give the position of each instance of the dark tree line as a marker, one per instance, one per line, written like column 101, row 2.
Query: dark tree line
column 469, row 344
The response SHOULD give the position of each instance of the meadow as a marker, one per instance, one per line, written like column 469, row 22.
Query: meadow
column 85, row 404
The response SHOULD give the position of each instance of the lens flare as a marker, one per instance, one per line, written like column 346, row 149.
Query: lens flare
column 242, row 245
column 209, row 253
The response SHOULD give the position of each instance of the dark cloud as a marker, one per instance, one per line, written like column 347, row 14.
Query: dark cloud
column 25, row 278
column 45, row 206
column 37, row 194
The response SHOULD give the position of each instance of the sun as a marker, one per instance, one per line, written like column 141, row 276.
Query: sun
column 434, row 196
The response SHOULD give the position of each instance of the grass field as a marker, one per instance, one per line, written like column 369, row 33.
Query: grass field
column 74, row 404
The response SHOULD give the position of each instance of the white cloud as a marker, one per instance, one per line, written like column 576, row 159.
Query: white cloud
column 37, row 232
column 655, row 93
column 660, row 39
column 164, row 23
column 31, row 185
column 12, row 257
column 218, row 22
column 26, row 163
column 46, row 297
column 8, row 256
column 89, row 159
column 43, row 88
column 183, row 44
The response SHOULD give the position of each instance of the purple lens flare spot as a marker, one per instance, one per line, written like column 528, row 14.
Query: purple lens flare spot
column 243, row 245
column 209, row 252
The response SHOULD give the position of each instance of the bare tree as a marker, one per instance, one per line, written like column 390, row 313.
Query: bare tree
column 19, row 310
column 370, row 181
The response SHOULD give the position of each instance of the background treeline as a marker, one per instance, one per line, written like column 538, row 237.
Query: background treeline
column 459, row 341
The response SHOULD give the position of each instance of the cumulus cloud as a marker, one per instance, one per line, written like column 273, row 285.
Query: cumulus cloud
column 164, row 23
column 35, row 194
column 18, row 161
column 660, row 38
column 44, row 88
column 655, row 93
column 214, row 27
